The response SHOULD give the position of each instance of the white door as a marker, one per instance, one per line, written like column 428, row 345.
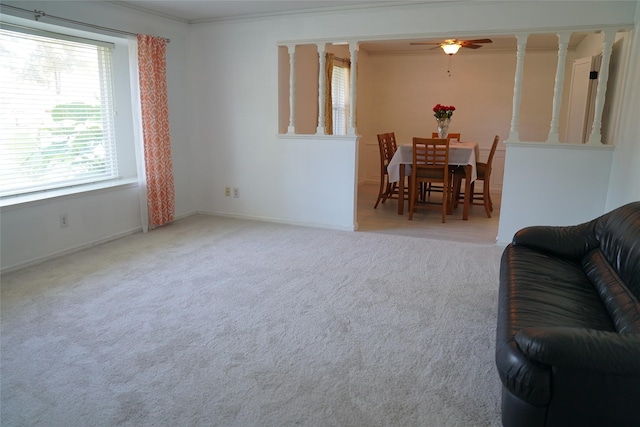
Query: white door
column 581, row 99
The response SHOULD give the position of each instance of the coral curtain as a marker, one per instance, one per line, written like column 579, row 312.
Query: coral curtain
column 155, row 129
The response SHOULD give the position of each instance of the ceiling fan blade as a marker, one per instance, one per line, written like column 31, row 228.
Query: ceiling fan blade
column 423, row 43
column 477, row 41
column 472, row 46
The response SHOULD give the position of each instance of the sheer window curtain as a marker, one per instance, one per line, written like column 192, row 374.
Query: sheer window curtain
column 328, row 99
column 333, row 124
column 153, row 139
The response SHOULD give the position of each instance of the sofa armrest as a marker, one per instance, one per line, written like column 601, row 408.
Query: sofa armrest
column 588, row 349
column 571, row 242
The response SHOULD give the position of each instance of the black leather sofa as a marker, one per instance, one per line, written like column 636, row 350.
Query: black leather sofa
column 568, row 332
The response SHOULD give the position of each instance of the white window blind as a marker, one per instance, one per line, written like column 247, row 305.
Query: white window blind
column 339, row 96
column 56, row 112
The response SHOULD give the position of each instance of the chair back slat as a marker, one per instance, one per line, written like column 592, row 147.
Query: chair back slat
column 483, row 175
column 386, row 145
column 392, row 140
column 492, row 153
column 430, row 164
column 450, row 136
column 431, row 153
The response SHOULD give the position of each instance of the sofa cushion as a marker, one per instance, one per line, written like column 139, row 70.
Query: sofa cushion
column 548, row 291
column 621, row 304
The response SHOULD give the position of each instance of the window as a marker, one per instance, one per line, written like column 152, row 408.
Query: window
column 339, row 96
column 56, row 111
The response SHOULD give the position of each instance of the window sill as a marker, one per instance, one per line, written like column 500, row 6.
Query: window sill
column 76, row 191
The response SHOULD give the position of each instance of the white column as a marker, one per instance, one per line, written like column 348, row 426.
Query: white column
column 603, row 77
column 514, row 134
column 292, row 88
column 322, row 59
column 353, row 48
column 563, row 43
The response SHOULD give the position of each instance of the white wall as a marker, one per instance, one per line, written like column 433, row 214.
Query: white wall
column 403, row 88
column 223, row 102
column 624, row 184
column 552, row 184
column 31, row 232
column 578, row 183
column 234, row 88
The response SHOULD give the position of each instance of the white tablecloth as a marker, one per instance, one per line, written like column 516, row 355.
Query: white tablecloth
column 460, row 153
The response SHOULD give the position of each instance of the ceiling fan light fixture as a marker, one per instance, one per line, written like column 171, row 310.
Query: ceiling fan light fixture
column 450, row 48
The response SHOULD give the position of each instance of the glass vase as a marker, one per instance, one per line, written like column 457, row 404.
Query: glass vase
column 443, row 127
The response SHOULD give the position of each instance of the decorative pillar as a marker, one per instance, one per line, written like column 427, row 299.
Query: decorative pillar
column 292, row 88
column 514, row 134
column 603, row 77
column 563, row 43
column 353, row 48
column 322, row 58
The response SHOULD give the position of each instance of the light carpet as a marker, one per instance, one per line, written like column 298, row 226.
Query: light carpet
column 224, row 322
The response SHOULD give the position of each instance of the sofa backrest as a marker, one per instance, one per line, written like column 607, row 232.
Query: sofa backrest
column 622, row 305
column 618, row 233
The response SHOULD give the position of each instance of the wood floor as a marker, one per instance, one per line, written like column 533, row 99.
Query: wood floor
column 426, row 223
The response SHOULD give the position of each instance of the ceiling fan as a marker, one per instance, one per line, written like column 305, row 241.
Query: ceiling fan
column 451, row 46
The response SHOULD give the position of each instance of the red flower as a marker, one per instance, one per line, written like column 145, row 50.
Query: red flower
column 443, row 111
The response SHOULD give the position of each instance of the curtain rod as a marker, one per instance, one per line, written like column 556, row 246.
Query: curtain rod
column 37, row 14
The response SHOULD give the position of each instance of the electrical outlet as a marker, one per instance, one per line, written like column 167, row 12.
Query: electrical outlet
column 64, row 221
column 227, row 191
column 236, row 193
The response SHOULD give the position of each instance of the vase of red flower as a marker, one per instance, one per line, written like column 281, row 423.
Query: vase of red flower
column 443, row 114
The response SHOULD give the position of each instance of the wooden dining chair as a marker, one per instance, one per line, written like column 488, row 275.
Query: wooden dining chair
column 450, row 136
column 427, row 189
column 430, row 165
column 392, row 140
column 387, row 146
column 483, row 171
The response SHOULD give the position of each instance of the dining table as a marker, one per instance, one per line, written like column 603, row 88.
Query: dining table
column 460, row 153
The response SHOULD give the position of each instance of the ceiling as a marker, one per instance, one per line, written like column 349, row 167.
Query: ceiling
column 499, row 43
column 215, row 10
column 202, row 11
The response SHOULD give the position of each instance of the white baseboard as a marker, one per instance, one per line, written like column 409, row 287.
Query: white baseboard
column 68, row 251
column 135, row 230
column 281, row 221
column 81, row 247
